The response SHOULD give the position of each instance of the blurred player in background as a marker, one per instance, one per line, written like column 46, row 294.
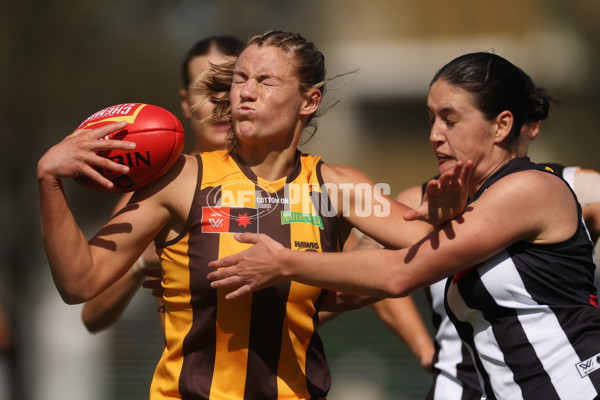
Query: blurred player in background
column 106, row 308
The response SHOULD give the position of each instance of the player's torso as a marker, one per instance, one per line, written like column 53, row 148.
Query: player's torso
column 265, row 344
column 530, row 305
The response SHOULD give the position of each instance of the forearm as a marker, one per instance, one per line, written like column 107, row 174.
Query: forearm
column 326, row 316
column 403, row 318
column 340, row 302
column 66, row 247
column 105, row 309
column 366, row 272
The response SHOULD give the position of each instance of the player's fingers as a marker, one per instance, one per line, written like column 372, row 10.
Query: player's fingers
column 466, row 171
column 219, row 274
column 225, row 261
column 238, row 292
column 97, row 133
column 153, row 272
column 105, row 163
column 105, row 130
column 246, row 237
column 411, row 215
column 151, row 284
column 101, row 144
column 433, row 185
column 230, row 281
column 96, row 176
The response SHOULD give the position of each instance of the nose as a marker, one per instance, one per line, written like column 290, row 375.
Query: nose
column 248, row 91
column 436, row 132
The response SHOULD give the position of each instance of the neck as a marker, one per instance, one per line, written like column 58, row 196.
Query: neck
column 271, row 159
column 479, row 179
column 202, row 147
column 268, row 164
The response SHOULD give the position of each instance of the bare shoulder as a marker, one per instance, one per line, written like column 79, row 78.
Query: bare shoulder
column 531, row 189
column 539, row 201
column 532, row 183
column 175, row 189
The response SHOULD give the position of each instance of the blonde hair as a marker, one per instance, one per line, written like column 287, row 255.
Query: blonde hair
column 215, row 84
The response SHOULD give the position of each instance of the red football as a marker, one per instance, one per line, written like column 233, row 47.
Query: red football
column 159, row 139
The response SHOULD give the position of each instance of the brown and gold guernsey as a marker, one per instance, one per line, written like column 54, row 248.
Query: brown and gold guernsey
column 264, row 345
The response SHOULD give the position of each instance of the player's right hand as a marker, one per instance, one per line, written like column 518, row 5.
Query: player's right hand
column 155, row 273
column 77, row 155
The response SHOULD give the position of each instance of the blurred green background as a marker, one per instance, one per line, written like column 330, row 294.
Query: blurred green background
column 62, row 61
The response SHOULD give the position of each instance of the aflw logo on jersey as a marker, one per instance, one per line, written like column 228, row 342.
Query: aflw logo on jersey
column 229, row 220
column 588, row 366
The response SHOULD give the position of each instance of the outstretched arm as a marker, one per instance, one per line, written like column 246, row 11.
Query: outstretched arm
column 64, row 242
column 104, row 310
column 448, row 249
column 80, row 269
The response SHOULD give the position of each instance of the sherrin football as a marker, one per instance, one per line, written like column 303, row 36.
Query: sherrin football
column 159, row 139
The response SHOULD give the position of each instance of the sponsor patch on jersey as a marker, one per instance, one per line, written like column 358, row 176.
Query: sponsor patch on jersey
column 229, row 220
column 588, row 366
column 306, row 246
column 287, row 217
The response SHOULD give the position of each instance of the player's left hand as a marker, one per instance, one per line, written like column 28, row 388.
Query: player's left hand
column 253, row 269
column 445, row 198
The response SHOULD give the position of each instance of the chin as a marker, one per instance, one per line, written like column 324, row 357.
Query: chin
column 446, row 166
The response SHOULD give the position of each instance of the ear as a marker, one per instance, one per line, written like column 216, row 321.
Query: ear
column 311, row 102
column 533, row 128
column 504, row 122
column 185, row 104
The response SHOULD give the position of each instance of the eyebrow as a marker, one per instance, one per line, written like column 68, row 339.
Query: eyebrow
column 260, row 78
column 445, row 110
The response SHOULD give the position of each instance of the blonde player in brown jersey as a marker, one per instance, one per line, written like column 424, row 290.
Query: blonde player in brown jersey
column 106, row 308
column 264, row 345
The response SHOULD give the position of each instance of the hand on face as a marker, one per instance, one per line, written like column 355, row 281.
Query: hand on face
column 77, row 155
column 445, row 198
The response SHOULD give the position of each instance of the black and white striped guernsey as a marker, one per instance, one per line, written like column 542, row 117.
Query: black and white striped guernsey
column 529, row 315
